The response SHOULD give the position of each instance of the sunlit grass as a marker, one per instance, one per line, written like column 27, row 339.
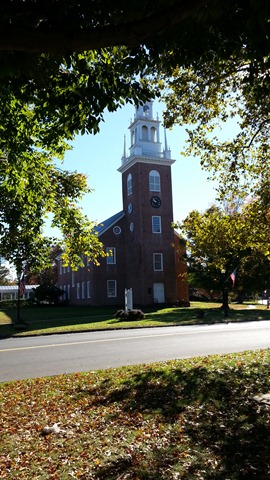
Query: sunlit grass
column 37, row 320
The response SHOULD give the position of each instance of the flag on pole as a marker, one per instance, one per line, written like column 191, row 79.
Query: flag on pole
column 22, row 285
column 233, row 276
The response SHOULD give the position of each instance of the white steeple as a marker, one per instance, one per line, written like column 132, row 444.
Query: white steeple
column 145, row 142
column 124, row 151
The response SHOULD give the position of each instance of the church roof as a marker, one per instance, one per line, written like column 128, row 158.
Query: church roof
column 104, row 226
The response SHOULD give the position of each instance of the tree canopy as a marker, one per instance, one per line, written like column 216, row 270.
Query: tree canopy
column 63, row 63
column 221, row 240
column 227, row 83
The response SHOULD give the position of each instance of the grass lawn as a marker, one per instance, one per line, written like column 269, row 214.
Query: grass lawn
column 45, row 320
column 186, row 419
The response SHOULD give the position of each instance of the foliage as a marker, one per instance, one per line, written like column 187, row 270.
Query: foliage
column 31, row 188
column 134, row 314
column 47, row 293
column 48, row 275
column 218, row 241
column 225, row 82
column 45, row 101
column 64, row 63
column 4, row 274
column 184, row 419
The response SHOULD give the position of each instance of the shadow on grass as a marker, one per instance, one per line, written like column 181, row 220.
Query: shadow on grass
column 44, row 317
column 40, row 318
column 209, row 414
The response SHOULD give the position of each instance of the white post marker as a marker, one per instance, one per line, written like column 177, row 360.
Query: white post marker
column 128, row 299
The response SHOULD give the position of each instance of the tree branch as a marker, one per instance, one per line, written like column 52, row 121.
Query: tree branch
column 130, row 34
column 262, row 124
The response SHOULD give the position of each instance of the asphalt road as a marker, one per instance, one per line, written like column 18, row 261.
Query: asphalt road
column 31, row 357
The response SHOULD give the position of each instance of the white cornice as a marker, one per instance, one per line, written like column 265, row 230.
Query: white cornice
column 129, row 162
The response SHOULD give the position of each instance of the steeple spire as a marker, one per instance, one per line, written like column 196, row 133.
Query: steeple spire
column 145, row 142
column 124, row 152
column 165, row 140
column 166, row 151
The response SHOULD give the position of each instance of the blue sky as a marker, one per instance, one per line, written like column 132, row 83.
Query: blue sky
column 99, row 157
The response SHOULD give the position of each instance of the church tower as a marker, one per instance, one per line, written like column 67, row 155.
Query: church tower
column 147, row 203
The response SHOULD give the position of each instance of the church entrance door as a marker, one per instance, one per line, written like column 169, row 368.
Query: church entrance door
column 159, row 294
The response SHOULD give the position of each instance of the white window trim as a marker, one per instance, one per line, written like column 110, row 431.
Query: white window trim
column 154, row 186
column 78, row 291
column 129, row 184
column 88, row 289
column 83, row 289
column 158, row 258
column 153, row 224
column 111, row 285
column 111, row 258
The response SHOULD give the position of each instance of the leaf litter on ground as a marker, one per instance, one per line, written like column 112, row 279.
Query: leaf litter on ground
column 183, row 419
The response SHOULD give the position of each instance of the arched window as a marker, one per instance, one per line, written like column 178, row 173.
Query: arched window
column 153, row 134
column 132, row 137
column 129, row 184
column 144, row 133
column 154, row 181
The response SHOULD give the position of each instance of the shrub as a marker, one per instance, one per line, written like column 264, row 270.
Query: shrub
column 129, row 315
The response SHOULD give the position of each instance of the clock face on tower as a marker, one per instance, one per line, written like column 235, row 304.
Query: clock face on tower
column 130, row 208
column 155, row 202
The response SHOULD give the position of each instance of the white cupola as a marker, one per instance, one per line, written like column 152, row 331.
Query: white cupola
column 145, row 142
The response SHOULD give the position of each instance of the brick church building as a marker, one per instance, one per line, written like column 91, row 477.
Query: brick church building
column 144, row 251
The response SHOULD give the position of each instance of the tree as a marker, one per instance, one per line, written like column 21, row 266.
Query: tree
column 32, row 187
column 47, row 293
column 227, row 79
column 69, row 56
column 218, row 241
column 64, row 62
column 48, row 276
column 61, row 27
column 4, row 274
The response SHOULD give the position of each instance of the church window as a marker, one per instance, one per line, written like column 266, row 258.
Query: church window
column 88, row 289
column 154, row 181
column 72, row 279
column 68, row 292
column 129, row 184
column 117, row 230
column 132, row 137
column 78, row 291
column 156, row 224
column 144, row 133
column 158, row 262
column 111, row 255
column 83, row 289
column 111, row 288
